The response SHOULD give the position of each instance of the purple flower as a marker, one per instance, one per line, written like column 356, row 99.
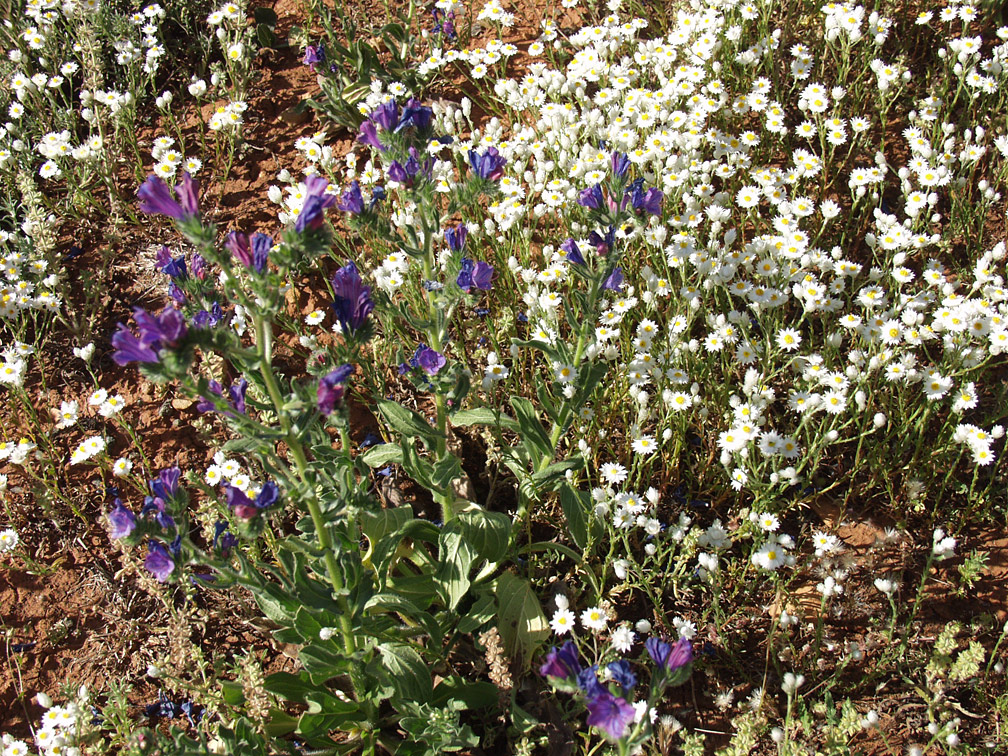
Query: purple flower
column 352, row 299
column 620, row 672
column 416, row 115
column 223, row 538
column 206, row 405
column 591, row 197
column 187, row 192
column 386, row 115
column 351, row 200
column 620, row 164
column 614, row 282
column 668, row 656
column 455, row 237
column 610, row 714
column 237, row 393
column 489, row 165
column 166, row 484
column 316, row 202
column 199, row 266
column 156, row 332
column 163, row 330
column 587, row 680
column 369, row 135
column 175, row 268
column 430, row 360
column 314, row 55
column 573, row 252
column 159, row 562
column 261, row 246
column 237, row 244
column 561, row 662
column 246, row 509
column 603, row 244
column 332, row 387
column 478, row 274
column 646, row 202
column 156, row 198
column 128, row 348
column 122, row 520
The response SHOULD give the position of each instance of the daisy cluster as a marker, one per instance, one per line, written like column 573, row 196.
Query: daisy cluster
column 168, row 160
column 58, row 730
column 755, row 309
column 29, row 284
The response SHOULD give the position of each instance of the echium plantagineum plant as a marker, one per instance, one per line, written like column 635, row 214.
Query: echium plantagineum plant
column 374, row 624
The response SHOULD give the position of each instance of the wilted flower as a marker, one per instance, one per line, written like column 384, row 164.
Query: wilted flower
column 331, row 389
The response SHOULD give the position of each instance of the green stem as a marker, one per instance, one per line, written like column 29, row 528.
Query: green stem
column 264, row 345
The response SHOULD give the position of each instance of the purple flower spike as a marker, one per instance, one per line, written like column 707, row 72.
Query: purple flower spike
column 159, row 562
column 455, row 237
column 620, row 164
column 237, row 244
column 615, row 280
column 331, row 389
column 128, row 348
column 261, row 246
column 429, row 359
column 351, row 200
column 591, row 197
column 386, row 115
column 369, row 135
column 122, row 520
column 416, row 115
column 166, row 485
column 573, row 252
column 314, row 55
column 561, row 662
column 187, row 192
column 352, row 300
column 610, row 714
column 156, row 199
column 669, row 656
column 489, row 165
column 316, row 202
column 237, row 393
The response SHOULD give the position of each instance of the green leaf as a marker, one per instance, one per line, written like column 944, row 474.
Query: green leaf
column 266, row 36
column 378, row 524
column 520, row 618
column 555, row 473
column 407, row 422
column 489, row 533
column 383, row 454
column 406, row 671
column 455, row 559
column 533, row 434
column 289, row 687
column 445, row 470
column 474, row 695
column 483, row 416
column 265, row 16
column 480, row 613
column 576, row 506
column 392, row 602
column 322, row 662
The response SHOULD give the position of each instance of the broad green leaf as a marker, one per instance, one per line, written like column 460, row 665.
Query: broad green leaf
column 393, row 602
column 382, row 454
column 555, row 473
column 445, row 470
column 455, row 558
column 483, row 416
column 289, row 687
column 474, row 695
column 520, row 618
column 576, row 506
column 378, row 524
column 480, row 613
column 533, row 434
column 407, row 422
column 489, row 533
column 406, row 671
